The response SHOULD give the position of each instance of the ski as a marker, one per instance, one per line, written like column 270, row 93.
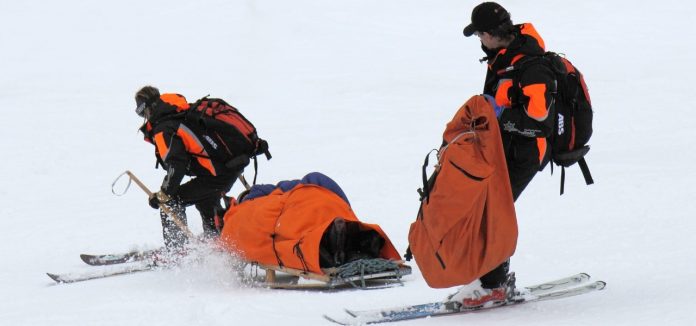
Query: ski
column 111, row 259
column 562, row 288
column 79, row 277
column 559, row 284
column 540, row 288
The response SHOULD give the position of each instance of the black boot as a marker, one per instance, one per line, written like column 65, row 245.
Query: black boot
column 497, row 277
column 212, row 215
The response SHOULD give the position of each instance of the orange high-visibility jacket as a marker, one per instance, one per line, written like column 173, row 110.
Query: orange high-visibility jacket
column 284, row 228
column 466, row 225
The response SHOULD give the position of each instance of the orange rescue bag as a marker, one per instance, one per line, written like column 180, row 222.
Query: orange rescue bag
column 466, row 225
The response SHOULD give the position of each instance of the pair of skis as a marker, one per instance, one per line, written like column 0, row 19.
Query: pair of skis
column 562, row 288
column 144, row 261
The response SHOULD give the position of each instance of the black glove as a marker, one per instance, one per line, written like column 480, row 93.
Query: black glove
column 154, row 201
column 158, row 198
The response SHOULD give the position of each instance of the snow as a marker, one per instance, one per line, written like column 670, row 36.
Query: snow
column 359, row 90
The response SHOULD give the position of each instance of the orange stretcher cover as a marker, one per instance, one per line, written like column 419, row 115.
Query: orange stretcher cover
column 285, row 228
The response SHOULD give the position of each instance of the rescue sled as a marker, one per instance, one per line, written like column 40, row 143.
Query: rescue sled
column 304, row 234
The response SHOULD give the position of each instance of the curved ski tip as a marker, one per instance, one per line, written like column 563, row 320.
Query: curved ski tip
column 55, row 277
column 601, row 285
column 335, row 321
column 350, row 312
column 584, row 277
column 89, row 259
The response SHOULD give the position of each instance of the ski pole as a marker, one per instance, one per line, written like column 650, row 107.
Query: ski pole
column 162, row 198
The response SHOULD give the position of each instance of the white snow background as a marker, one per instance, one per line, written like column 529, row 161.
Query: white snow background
column 360, row 90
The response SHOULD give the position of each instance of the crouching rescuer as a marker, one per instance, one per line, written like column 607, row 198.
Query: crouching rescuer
column 210, row 141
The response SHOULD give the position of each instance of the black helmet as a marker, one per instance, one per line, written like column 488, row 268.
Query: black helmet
column 144, row 98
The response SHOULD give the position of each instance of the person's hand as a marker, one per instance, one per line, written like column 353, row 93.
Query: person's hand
column 497, row 108
column 154, row 201
column 157, row 198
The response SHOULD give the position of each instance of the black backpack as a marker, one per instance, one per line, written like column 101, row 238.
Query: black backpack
column 216, row 117
column 573, row 112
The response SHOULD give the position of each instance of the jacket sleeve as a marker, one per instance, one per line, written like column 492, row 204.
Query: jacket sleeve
column 170, row 148
column 532, row 114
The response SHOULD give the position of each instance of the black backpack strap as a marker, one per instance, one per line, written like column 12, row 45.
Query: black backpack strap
column 193, row 115
column 425, row 191
column 515, row 71
column 408, row 255
column 585, row 171
column 256, row 170
column 261, row 148
column 198, row 102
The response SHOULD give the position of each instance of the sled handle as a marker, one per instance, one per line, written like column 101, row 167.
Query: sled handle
column 244, row 182
column 175, row 217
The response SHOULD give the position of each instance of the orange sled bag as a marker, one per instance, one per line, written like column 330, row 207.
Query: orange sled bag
column 466, row 225
column 285, row 227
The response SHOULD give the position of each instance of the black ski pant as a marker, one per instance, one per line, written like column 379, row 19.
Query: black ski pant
column 522, row 156
column 205, row 192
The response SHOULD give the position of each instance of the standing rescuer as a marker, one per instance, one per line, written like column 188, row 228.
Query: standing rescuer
column 524, row 107
column 183, row 147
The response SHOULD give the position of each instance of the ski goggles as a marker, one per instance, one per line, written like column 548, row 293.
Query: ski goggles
column 140, row 110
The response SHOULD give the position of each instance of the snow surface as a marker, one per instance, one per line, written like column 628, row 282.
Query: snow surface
column 359, row 90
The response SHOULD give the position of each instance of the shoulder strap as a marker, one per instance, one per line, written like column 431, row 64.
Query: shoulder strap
column 516, row 70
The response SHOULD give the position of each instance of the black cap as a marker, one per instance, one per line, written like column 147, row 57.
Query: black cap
column 485, row 17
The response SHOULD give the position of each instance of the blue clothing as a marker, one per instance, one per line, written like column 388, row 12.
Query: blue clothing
column 314, row 178
column 497, row 108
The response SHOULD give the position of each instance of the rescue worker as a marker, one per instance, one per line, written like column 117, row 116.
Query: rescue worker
column 182, row 147
column 524, row 105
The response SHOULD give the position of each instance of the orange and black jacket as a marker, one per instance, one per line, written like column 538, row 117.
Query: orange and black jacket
column 528, row 98
column 183, row 147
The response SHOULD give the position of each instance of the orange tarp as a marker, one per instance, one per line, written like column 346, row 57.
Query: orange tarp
column 285, row 228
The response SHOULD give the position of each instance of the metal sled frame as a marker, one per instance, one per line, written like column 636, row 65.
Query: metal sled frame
column 330, row 279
